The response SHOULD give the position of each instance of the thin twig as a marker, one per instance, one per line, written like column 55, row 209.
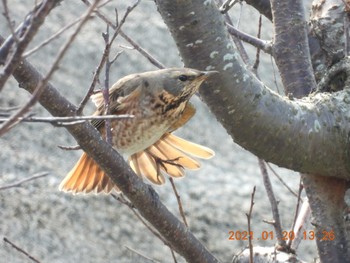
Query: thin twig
column 69, row 120
column 241, row 50
column 108, row 63
column 19, row 183
column 257, row 56
column 173, row 255
column 122, row 200
column 178, row 198
column 137, row 47
column 42, row 84
column 6, row 13
column 301, row 224
column 24, row 34
column 301, row 187
column 20, row 250
column 105, row 90
column 8, row 109
column 141, row 255
column 264, row 45
column 274, row 206
column 249, row 217
column 54, row 36
column 69, row 148
column 132, row 208
column 282, row 181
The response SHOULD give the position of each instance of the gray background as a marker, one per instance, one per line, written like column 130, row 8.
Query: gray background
column 58, row 227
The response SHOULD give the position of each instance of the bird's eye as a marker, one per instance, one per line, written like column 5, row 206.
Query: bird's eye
column 183, row 77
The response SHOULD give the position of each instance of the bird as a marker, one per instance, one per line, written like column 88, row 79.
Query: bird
column 158, row 102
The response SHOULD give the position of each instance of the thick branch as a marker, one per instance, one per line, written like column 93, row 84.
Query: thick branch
column 327, row 207
column 309, row 135
column 143, row 197
column 291, row 47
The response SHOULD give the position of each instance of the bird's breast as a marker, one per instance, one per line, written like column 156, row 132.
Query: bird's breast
column 148, row 125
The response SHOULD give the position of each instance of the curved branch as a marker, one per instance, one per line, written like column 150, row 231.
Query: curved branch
column 309, row 135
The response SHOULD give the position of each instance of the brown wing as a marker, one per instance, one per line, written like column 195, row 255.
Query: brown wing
column 120, row 94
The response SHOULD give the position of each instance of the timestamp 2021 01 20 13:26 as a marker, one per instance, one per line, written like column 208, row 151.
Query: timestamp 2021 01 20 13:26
column 286, row 235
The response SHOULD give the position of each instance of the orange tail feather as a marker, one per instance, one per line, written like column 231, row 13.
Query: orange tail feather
column 170, row 155
column 85, row 177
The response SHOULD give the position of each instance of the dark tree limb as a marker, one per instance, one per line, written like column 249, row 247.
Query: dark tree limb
column 326, row 198
column 291, row 47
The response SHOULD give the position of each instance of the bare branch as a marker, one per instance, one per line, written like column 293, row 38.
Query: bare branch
column 21, row 182
column 69, row 148
column 69, row 120
column 41, row 86
column 264, row 45
column 9, row 22
column 301, row 224
column 282, row 181
column 178, row 198
column 122, row 200
column 141, row 50
column 53, row 37
column 25, row 34
column 21, row 250
column 249, row 217
column 274, row 206
column 289, row 242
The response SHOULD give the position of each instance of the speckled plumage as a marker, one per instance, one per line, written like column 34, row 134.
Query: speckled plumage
column 158, row 100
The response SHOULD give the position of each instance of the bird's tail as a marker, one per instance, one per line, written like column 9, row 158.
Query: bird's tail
column 170, row 155
column 86, row 177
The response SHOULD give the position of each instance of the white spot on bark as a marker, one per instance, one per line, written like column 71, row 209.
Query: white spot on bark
column 189, row 45
column 228, row 56
column 181, row 28
column 191, row 13
column 218, row 39
column 198, row 41
column 317, row 126
column 228, row 65
column 216, row 91
column 210, row 67
column 207, row 2
column 213, row 54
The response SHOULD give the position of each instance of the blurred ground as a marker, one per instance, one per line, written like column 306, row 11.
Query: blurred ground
column 57, row 227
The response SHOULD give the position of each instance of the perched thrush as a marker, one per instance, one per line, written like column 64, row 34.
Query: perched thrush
column 159, row 102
